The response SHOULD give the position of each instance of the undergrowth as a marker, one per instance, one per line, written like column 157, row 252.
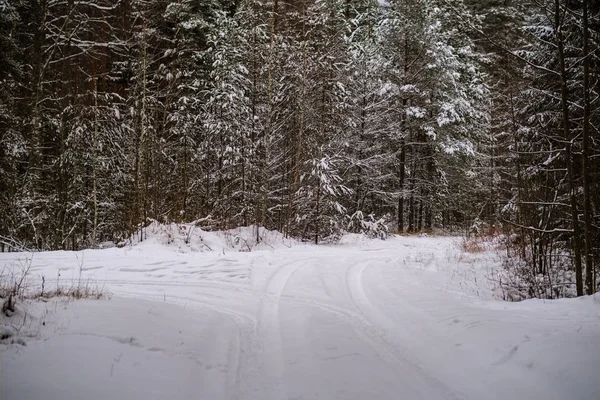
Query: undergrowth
column 17, row 284
column 525, row 273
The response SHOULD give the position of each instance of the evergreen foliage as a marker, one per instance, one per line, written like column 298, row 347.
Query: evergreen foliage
column 311, row 117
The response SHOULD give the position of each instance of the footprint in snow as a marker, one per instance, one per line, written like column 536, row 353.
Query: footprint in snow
column 91, row 268
column 141, row 269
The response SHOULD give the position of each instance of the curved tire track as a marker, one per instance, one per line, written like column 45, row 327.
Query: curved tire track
column 268, row 330
column 389, row 352
column 240, row 344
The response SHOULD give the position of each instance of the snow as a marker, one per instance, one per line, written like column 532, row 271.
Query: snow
column 189, row 237
column 404, row 318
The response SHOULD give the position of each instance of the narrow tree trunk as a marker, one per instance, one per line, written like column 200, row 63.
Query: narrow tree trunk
column 585, row 159
column 401, row 185
column 420, row 215
column 35, row 157
column 411, row 206
column 566, row 122
column 60, row 242
column 297, row 146
column 430, row 192
column 254, row 115
column 184, row 194
column 519, row 182
column 269, row 130
column 317, row 214
column 402, row 172
column 94, row 158
column 141, row 158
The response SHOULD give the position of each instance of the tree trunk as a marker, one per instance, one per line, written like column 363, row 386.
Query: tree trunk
column 585, row 159
column 401, row 186
column 566, row 122
column 402, row 172
column 262, row 221
column 94, row 158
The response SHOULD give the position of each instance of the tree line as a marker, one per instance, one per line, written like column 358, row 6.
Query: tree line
column 311, row 117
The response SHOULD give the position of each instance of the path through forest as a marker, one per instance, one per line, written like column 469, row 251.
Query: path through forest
column 405, row 318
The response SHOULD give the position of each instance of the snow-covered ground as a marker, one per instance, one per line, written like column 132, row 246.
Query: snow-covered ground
column 405, row 318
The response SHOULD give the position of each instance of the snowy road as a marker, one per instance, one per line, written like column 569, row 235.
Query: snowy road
column 406, row 318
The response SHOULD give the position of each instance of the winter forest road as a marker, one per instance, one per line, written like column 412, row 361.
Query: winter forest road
column 407, row 318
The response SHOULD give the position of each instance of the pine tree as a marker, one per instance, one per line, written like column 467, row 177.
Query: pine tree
column 440, row 92
column 311, row 117
column 12, row 144
column 370, row 139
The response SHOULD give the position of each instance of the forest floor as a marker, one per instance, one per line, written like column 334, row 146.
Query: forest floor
column 404, row 318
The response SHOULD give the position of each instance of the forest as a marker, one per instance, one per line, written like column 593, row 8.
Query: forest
column 309, row 117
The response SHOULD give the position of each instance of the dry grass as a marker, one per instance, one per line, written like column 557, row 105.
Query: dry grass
column 15, row 286
column 474, row 245
column 85, row 291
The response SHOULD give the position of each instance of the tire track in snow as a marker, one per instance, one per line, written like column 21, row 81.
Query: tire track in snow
column 264, row 350
column 234, row 363
column 259, row 357
column 268, row 330
column 395, row 357
column 262, row 356
column 240, row 344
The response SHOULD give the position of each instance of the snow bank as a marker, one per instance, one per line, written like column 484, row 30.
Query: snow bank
column 186, row 237
column 356, row 239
